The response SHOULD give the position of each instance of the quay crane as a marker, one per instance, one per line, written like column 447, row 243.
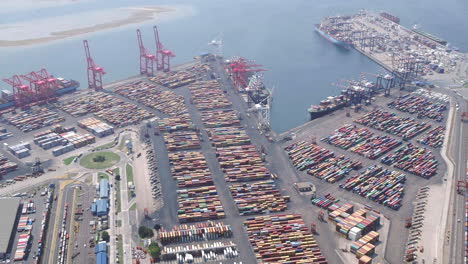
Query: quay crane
column 94, row 72
column 22, row 94
column 239, row 69
column 42, row 85
column 146, row 59
column 163, row 56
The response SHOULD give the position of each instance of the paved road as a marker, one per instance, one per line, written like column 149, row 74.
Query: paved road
column 458, row 151
column 126, row 227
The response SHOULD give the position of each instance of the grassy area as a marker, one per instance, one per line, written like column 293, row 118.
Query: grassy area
column 116, row 171
column 465, row 85
column 69, row 160
column 129, row 172
column 122, row 143
column 133, row 207
column 117, row 196
column 89, row 179
column 120, row 249
column 110, row 159
column 105, row 146
column 102, row 175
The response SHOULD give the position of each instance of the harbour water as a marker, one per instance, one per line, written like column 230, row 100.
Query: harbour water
column 278, row 34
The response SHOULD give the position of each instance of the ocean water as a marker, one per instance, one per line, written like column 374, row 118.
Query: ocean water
column 277, row 34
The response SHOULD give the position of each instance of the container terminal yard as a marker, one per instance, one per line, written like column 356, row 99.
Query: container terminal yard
column 181, row 158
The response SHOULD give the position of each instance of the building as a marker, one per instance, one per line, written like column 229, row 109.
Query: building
column 101, row 258
column 102, row 206
column 104, row 189
column 101, row 247
column 8, row 222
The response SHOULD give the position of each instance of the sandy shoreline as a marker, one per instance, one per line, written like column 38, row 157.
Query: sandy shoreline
column 138, row 15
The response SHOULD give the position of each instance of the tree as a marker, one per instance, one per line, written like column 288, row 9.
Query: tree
column 157, row 227
column 105, row 236
column 154, row 250
column 145, row 232
column 99, row 158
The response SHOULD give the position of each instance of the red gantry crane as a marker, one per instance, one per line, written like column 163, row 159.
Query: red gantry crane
column 94, row 72
column 146, row 59
column 22, row 94
column 239, row 69
column 43, row 85
column 163, row 56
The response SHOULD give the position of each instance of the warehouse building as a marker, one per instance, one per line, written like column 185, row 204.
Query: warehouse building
column 101, row 258
column 104, row 189
column 8, row 223
column 102, row 207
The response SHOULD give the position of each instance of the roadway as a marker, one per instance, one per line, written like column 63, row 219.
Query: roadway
column 454, row 250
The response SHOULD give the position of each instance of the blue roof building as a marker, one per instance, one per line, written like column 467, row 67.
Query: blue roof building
column 101, row 207
column 101, row 258
column 104, row 189
column 93, row 208
column 101, row 247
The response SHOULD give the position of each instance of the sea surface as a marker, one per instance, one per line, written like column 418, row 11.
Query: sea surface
column 302, row 66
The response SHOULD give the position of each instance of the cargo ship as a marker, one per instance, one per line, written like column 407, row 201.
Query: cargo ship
column 332, row 103
column 333, row 38
column 429, row 36
column 65, row 86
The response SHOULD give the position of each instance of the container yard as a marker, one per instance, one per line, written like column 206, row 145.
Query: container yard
column 189, row 169
column 434, row 138
column 205, row 252
column 404, row 127
column 228, row 136
column 181, row 140
column 413, row 159
column 361, row 141
column 422, row 107
column 380, row 185
column 173, row 124
column 96, row 126
column 35, row 118
column 106, row 107
column 21, row 150
column 320, row 162
column 199, row 204
column 166, row 102
column 282, row 238
column 258, row 197
column 220, row 118
column 6, row 165
column 4, row 134
column 174, row 80
column 195, row 233
column 208, row 95
column 60, row 136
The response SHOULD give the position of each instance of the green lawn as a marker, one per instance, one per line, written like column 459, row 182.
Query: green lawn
column 129, row 172
column 465, row 85
column 116, row 171
column 69, row 160
column 122, row 143
column 120, row 249
column 102, row 175
column 105, row 146
column 117, row 195
column 110, row 160
column 133, row 207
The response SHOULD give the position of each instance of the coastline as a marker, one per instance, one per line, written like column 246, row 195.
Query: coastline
column 138, row 15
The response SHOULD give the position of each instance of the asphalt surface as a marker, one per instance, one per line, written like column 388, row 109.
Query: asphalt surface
column 458, row 151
